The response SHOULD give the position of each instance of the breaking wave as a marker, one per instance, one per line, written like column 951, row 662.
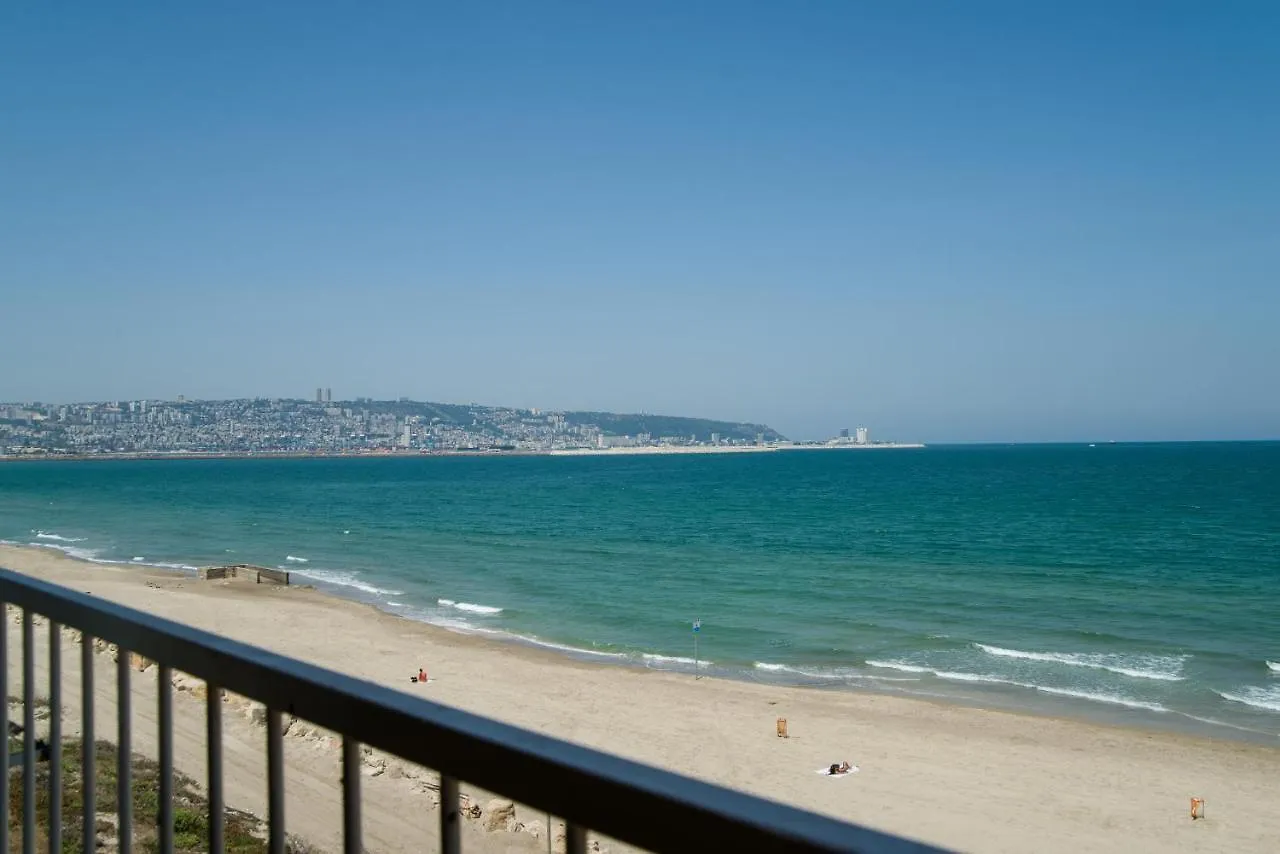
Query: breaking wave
column 959, row 676
column 1166, row 668
column 49, row 535
column 839, row 675
column 469, row 607
column 90, row 555
column 345, row 579
column 1111, row 699
column 899, row 665
column 571, row 650
column 799, row 671
column 1251, row 695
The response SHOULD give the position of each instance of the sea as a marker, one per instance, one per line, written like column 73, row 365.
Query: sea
column 1124, row 583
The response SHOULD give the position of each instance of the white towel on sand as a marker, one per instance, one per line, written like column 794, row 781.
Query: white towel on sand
column 826, row 772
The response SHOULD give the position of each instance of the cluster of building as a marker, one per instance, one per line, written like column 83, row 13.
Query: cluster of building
column 861, row 436
column 262, row 426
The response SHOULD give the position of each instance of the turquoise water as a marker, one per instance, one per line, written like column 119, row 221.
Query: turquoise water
column 1133, row 583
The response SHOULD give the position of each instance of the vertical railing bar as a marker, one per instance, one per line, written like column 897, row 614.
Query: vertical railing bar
column 351, row 830
column 4, row 722
column 450, row 838
column 275, row 783
column 575, row 839
column 164, row 814
column 213, row 723
column 29, row 734
column 55, row 738
column 88, row 771
column 124, row 745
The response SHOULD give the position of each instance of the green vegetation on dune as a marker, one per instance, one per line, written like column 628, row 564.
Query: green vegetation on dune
column 244, row 833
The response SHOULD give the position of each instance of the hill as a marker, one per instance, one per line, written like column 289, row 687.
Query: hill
column 613, row 424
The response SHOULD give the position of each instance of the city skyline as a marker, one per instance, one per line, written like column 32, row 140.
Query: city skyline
column 982, row 222
column 268, row 426
column 323, row 396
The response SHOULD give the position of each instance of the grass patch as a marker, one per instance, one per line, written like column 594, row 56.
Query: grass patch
column 244, row 833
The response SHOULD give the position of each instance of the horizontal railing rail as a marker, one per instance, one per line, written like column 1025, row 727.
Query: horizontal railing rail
column 628, row 801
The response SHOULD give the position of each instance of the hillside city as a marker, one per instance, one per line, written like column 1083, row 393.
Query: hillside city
column 325, row 426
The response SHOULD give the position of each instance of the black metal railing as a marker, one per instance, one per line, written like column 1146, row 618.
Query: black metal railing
column 632, row 803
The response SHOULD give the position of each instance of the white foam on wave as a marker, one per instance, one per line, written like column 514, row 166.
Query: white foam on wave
column 1110, row 699
column 653, row 659
column 1252, row 695
column 469, row 607
column 478, row 609
column 1216, row 722
column 452, row 624
column 1273, row 666
column 345, row 579
column 900, row 665
column 987, row 678
column 834, row 675
column 90, row 555
column 1165, row 668
column 295, row 559
column 444, row 620
column 770, row 667
column 960, row 676
column 765, row 665
column 49, row 535
column 572, row 650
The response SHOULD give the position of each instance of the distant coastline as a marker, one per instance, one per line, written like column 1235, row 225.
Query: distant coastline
column 261, row 455
column 639, row 450
column 341, row 428
column 725, row 449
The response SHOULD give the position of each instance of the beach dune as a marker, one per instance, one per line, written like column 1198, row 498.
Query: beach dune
column 969, row 779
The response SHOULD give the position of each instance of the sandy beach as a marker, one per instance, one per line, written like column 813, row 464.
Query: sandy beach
column 969, row 779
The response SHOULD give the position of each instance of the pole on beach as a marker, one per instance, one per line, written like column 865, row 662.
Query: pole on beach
column 697, row 627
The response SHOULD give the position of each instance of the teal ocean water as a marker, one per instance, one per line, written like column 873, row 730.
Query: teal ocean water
column 1130, row 583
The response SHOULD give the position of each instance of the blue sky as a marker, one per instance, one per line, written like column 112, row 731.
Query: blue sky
column 948, row 221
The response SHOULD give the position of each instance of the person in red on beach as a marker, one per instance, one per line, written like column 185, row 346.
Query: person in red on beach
column 422, row 675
